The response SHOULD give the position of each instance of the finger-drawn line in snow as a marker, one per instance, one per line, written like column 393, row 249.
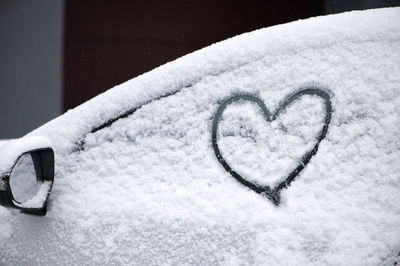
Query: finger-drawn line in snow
column 272, row 194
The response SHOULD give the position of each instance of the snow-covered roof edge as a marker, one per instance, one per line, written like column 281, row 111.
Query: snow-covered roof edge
column 319, row 32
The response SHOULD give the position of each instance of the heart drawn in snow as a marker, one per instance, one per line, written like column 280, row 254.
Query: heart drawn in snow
column 272, row 194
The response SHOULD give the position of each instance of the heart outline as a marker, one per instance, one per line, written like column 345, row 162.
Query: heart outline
column 274, row 193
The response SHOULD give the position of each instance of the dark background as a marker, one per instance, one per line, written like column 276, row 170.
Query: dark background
column 56, row 54
column 107, row 44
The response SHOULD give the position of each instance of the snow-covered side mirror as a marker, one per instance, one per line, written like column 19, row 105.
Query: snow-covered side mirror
column 26, row 174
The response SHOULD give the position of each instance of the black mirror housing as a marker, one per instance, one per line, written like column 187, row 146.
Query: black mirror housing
column 42, row 156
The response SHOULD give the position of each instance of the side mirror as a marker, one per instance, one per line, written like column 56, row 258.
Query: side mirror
column 27, row 174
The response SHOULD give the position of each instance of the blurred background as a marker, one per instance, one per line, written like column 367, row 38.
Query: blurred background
column 56, row 54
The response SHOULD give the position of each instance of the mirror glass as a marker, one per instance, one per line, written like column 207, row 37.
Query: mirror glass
column 23, row 183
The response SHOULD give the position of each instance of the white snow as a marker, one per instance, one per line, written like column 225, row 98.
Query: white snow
column 3, row 141
column 23, row 180
column 149, row 189
column 12, row 149
column 39, row 197
column 266, row 152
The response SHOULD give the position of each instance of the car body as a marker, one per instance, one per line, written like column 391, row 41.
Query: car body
column 138, row 179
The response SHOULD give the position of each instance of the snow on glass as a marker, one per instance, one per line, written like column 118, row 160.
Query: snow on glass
column 149, row 190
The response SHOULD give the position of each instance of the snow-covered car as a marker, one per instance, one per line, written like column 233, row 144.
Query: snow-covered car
column 275, row 147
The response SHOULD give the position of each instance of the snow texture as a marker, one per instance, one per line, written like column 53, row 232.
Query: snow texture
column 12, row 150
column 148, row 190
column 39, row 198
column 3, row 142
column 23, row 180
